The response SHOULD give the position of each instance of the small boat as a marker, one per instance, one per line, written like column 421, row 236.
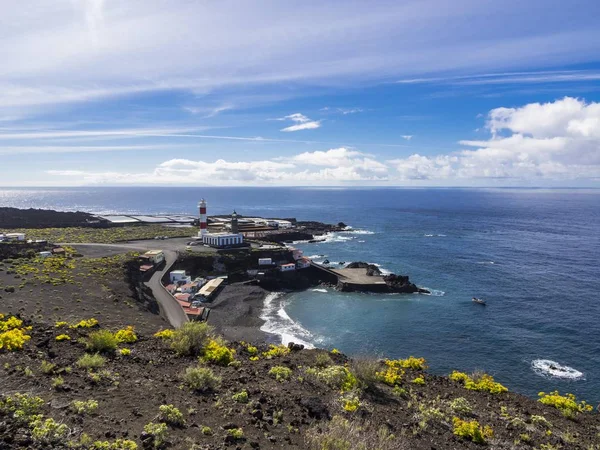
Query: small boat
column 478, row 300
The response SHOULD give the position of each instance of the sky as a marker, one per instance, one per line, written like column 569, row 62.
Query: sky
column 300, row 93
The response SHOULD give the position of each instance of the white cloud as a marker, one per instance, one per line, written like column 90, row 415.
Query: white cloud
column 535, row 143
column 407, row 137
column 302, row 123
column 557, row 140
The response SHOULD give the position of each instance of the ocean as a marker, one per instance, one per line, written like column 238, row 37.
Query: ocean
column 532, row 254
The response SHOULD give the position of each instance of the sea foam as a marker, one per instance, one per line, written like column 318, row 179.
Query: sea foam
column 552, row 369
column 278, row 322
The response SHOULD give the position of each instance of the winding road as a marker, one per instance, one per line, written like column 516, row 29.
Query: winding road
column 169, row 307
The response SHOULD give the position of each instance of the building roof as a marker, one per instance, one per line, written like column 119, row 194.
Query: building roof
column 177, row 272
column 211, row 286
column 153, row 252
column 193, row 311
column 288, row 265
column 182, row 297
column 146, row 267
column 184, row 304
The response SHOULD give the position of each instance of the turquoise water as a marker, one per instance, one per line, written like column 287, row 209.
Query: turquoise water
column 534, row 255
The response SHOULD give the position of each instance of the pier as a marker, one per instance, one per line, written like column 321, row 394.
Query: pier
column 352, row 279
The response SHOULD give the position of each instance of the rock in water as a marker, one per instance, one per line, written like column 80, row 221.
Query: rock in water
column 372, row 269
column 400, row 284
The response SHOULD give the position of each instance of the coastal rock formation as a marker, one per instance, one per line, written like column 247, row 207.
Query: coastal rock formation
column 372, row 269
column 401, row 284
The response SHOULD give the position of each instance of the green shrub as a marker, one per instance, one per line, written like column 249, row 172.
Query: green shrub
column 102, row 341
column 84, row 406
column 343, row 434
column 471, row 430
column 350, row 402
column 207, row 431
column 48, row 431
column 171, row 415
column 58, row 382
column 88, row 361
column 365, row 370
column 461, row 405
column 47, row 367
column 336, row 377
column 280, row 373
column 323, row 360
column 190, row 339
column 201, row 379
column 23, row 407
column 236, row 433
column 158, row 431
column 240, row 397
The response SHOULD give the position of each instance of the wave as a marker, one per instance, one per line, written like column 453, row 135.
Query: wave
column 316, row 256
column 486, row 262
column 278, row 322
column 319, row 290
column 435, row 292
column 552, row 369
column 357, row 231
column 434, row 235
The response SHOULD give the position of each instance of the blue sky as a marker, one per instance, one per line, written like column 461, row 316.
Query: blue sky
column 420, row 93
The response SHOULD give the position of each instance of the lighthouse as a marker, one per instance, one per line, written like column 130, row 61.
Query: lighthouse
column 202, row 209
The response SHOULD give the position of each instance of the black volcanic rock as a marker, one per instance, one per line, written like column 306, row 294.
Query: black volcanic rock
column 372, row 269
column 46, row 218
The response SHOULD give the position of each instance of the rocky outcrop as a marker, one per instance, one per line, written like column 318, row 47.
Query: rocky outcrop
column 401, row 284
column 372, row 269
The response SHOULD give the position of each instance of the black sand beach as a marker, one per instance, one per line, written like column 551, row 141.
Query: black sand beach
column 236, row 314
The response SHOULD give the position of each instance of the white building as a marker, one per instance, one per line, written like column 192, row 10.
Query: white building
column 45, row 254
column 179, row 276
column 296, row 253
column 287, row 267
column 154, row 256
column 303, row 263
column 222, row 239
column 15, row 236
column 265, row 261
column 284, row 223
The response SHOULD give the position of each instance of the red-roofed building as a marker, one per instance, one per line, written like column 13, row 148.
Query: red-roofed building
column 182, row 297
column 303, row 263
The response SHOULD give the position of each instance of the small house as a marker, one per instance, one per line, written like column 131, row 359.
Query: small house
column 45, row 254
column 177, row 276
column 287, row 267
column 303, row 263
column 59, row 251
column 265, row 261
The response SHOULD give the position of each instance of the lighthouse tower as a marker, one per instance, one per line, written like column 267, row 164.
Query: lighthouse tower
column 202, row 208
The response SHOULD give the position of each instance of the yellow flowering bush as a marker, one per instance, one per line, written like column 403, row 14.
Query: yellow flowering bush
column 472, row 430
column 126, row 335
column 335, row 351
column 419, row 380
column 566, row 404
column 391, row 376
column 61, row 324
column 217, row 353
column 13, row 335
column 409, row 363
column 124, row 352
column 164, row 334
column 350, row 403
column 10, row 324
column 63, row 337
column 275, row 351
column 86, row 323
column 484, row 382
